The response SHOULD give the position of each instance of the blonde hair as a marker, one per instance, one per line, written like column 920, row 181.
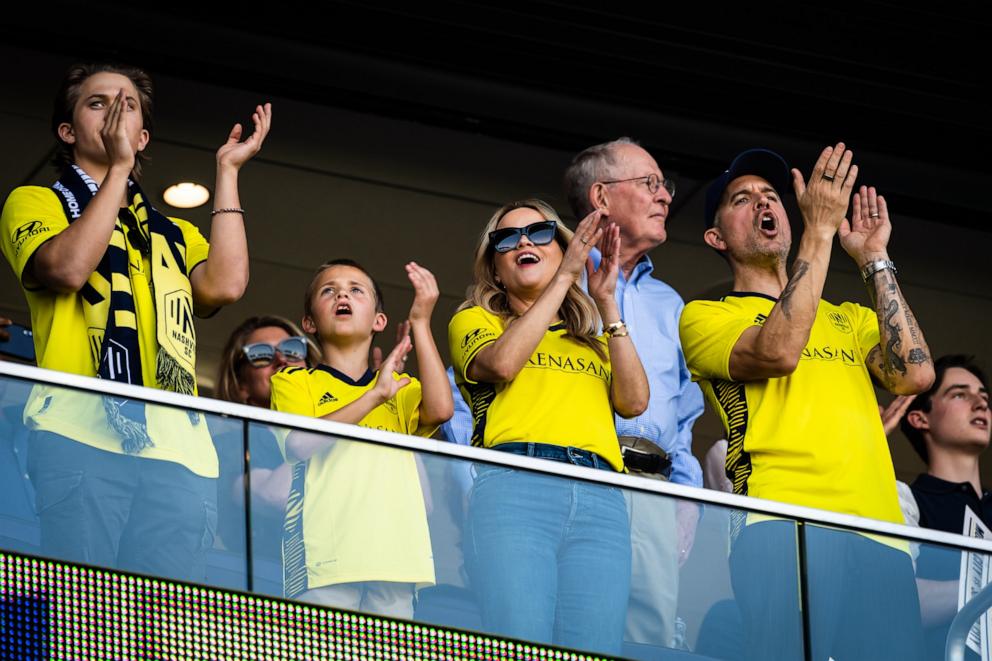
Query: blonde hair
column 578, row 312
column 232, row 360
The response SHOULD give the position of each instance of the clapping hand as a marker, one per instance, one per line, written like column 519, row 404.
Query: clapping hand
column 425, row 293
column 823, row 200
column 386, row 386
column 603, row 281
column 587, row 235
column 234, row 153
column 866, row 235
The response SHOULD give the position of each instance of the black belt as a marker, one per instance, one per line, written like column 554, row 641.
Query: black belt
column 651, row 459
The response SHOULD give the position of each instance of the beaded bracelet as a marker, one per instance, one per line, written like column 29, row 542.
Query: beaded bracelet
column 228, row 210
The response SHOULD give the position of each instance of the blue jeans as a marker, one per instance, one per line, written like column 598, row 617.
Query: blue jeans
column 113, row 510
column 549, row 558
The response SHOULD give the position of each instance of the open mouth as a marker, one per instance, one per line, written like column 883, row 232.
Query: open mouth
column 527, row 259
column 767, row 224
column 981, row 423
column 343, row 309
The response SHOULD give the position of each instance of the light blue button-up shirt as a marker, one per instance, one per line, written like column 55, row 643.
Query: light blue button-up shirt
column 651, row 310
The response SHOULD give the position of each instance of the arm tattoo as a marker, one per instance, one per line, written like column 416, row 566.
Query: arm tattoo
column 799, row 270
column 892, row 360
column 892, row 307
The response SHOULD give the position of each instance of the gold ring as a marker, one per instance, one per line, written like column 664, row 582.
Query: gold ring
column 873, row 215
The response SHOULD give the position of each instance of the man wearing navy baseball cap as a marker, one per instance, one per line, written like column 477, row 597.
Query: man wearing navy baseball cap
column 791, row 375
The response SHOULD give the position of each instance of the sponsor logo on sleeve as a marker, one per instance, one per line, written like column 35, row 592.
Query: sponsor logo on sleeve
column 474, row 337
column 27, row 230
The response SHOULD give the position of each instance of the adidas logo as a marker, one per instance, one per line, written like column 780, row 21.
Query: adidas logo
column 327, row 399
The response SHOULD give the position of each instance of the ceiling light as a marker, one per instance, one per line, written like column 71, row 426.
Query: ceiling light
column 186, row 195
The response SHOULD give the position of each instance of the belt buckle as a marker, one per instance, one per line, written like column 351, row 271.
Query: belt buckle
column 645, row 462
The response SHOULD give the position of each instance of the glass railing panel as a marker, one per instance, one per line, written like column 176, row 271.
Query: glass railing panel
column 739, row 587
column 268, row 488
column 503, row 550
column 878, row 597
column 74, row 489
column 480, row 540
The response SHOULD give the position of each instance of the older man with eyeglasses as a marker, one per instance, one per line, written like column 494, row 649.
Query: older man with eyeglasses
column 624, row 181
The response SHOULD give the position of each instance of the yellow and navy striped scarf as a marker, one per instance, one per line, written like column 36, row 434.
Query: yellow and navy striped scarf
column 108, row 304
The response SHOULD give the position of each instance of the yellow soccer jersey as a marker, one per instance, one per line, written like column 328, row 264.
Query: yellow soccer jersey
column 560, row 397
column 356, row 511
column 31, row 216
column 812, row 438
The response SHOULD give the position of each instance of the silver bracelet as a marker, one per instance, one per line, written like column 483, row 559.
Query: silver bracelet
column 871, row 268
column 227, row 210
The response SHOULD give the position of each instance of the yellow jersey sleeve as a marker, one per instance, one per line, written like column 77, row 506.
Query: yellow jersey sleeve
column 291, row 392
column 31, row 216
column 709, row 332
column 469, row 332
column 867, row 329
column 197, row 248
column 408, row 401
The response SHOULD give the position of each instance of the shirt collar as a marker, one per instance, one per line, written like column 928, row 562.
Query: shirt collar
column 363, row 380
column 643, row 267
column 934, row 484
column 744, row 294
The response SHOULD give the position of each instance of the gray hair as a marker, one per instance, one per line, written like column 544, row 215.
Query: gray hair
column 593, row 164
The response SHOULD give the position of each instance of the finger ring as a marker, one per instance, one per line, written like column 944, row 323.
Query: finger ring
column 584, row 242
column 873, row 215
column 828, row 177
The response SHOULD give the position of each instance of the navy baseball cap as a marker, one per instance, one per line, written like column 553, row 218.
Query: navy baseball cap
column 761, row 162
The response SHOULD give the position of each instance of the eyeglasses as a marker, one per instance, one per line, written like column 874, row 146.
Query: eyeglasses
column 508, row 238
column 261, row 354
column 652, row 181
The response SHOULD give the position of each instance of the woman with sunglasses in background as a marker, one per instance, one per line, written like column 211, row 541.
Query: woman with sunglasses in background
column 549, row 558
column 258, row 348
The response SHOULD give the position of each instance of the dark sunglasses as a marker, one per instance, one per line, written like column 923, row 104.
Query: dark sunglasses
column 508, row 238
column 261, row 354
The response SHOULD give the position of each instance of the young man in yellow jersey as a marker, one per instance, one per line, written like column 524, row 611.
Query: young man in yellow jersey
column 113, row 285
column 791, row 377
column 356, row 532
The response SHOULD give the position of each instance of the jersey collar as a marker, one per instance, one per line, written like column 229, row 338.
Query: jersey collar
column 363, row 380
column 750, row 293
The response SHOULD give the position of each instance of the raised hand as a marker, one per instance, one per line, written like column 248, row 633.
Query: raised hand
column 116, row 141
column 823, row 201
column 235, row 153
column 866, row 236
column 603, row 281
column 402, row 330
column 892, row 414
column 386, row 386
column 425, row 293
column 587, row 235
